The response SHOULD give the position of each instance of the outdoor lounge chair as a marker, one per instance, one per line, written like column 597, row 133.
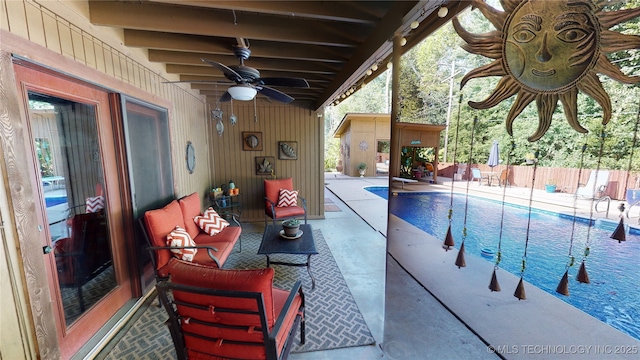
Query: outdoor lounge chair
column 595, row 186
column 504, row 178
column 230, row 314
column 477, row 175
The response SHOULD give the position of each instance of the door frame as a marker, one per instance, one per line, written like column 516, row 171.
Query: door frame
column 29, row 77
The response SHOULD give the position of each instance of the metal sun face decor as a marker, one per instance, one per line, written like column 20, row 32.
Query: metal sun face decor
column 548, row 51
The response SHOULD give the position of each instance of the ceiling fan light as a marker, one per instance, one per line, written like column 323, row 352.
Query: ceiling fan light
column 242, row 92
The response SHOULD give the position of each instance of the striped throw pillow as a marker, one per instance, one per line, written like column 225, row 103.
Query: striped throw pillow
column 180, row 237
column 287, row 198
column 94, row 204
column 210, row 222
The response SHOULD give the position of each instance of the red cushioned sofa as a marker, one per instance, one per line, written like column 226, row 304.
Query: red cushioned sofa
column 212, row 250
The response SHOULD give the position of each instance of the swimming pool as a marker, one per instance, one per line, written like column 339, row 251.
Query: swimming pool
column 614, row 293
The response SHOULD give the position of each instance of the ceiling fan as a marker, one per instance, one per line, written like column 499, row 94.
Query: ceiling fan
column 248, row 80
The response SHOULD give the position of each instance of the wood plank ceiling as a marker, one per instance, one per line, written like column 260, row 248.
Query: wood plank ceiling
column 331, row 44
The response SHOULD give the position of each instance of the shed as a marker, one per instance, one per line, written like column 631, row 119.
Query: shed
column 366, row 138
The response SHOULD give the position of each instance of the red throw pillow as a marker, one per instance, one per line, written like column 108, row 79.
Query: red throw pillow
column 287, row 198
column 180, row 237
column 210, row 222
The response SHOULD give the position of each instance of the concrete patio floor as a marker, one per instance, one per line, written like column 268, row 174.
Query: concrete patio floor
column 434, row 310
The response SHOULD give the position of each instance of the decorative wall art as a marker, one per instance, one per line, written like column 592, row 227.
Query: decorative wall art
column 251, row 141
column 265, row 165
column 548, row 51
column 288, row 150
column 190, row 157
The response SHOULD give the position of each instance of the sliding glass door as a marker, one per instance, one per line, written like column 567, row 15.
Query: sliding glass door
column 150, row 169
column 77, row 195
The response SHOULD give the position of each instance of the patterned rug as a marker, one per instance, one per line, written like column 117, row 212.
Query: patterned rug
column 330, row 206
column 333, row 318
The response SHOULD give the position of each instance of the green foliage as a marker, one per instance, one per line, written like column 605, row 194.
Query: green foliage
column 424, row 97
column 291, row 222
column 45, row 158
column 331, row 153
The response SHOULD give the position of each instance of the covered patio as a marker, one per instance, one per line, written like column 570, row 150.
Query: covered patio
column 163, row 125
column 144, row 90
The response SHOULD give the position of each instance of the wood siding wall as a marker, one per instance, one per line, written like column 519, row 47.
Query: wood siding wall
column 57, row 35
column 361, row 144
column 276, row 123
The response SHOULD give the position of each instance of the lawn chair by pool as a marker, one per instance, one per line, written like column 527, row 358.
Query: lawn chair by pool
column 595, row 186
column 477, row 175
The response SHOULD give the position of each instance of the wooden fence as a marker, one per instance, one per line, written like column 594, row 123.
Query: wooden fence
column 567, row 179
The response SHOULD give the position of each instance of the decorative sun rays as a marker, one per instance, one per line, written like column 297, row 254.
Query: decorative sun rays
column 548, row 51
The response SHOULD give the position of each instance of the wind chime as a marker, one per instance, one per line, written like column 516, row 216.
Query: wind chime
column 548, row 69
column 448, row 240
column 619, row 233
column 583, row 276
column 493, row 284
column 216, row 115
column 460, row 261
column 563, row 286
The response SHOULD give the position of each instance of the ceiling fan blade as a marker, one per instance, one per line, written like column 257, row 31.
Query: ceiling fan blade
column 228, row 72
column 274, row 94
column 289, row 82
column 225, row 97
column 198, row 82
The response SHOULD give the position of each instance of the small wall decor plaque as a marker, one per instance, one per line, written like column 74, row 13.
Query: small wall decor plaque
column 251, row 141
column 288, row 150
column 265, row 165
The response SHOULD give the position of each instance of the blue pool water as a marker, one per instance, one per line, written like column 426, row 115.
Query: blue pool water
column 613, row 296
column 55, row 200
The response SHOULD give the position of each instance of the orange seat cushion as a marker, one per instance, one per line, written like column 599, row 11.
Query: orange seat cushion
column 272, row 190
column 159, row 224
column 190, row 207
column 256, row 280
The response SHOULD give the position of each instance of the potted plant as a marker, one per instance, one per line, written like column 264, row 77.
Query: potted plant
column 551, row 185
column 291, row 227
column 362, row 168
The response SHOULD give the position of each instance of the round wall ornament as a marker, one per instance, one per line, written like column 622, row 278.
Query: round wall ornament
column 190, row 157
column 364, row 145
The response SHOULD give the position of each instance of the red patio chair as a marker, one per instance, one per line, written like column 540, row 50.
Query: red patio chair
column 271, row 196
column 230, row 314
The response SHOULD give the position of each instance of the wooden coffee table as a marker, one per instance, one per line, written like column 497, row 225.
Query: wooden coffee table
column 272, row 243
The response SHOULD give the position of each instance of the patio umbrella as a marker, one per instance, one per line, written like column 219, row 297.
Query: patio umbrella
column 494, row 155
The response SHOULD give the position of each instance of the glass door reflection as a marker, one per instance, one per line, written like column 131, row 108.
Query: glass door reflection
column 67, row 147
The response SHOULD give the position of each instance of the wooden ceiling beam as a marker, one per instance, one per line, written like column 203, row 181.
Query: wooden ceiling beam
column 342, row 11
column 202, row 73
column 212, row 22
column 289, row 92
column 306, row 102
column 205, row 86
column 224, row 46
column 179, row 57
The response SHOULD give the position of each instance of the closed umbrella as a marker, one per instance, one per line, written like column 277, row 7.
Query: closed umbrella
column 494, row 155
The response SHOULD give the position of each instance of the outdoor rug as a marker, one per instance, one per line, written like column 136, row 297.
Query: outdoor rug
column 330, row 206
column 333, row 318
